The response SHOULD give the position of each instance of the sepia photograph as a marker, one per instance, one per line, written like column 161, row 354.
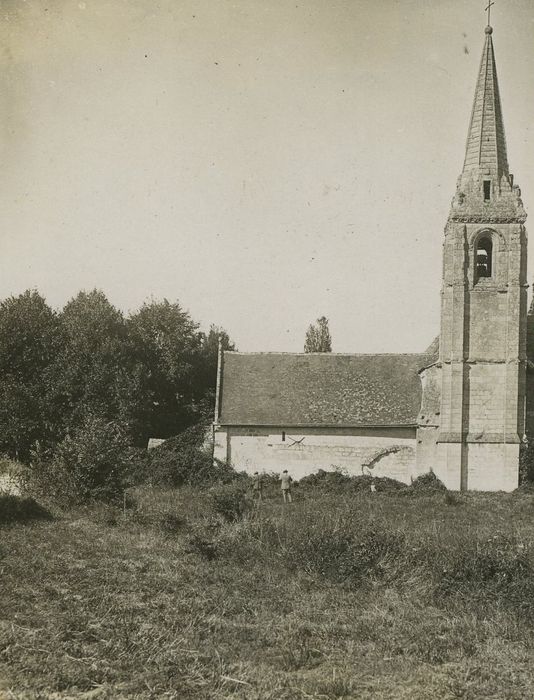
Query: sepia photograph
column 266, row 350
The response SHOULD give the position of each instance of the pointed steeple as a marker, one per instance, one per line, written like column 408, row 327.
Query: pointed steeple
column 486, row 144
column 485, row 191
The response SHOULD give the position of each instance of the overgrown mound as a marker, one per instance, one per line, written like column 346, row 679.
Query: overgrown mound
column 428, row 483
column 382, row 483
column 183, row 460
column 325, row 480
column 338, row 481
column 14, row 509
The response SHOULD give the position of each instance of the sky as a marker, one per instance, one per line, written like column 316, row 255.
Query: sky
column 262, row 162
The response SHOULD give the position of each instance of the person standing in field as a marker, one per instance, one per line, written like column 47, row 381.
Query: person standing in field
column 257, row 486
column 286, row 486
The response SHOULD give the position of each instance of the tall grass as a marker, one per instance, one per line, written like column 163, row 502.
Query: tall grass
column 338, row 595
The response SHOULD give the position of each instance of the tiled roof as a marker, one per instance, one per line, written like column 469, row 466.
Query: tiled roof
column 321, row 389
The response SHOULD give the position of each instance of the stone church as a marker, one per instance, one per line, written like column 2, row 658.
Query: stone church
column 460, row 408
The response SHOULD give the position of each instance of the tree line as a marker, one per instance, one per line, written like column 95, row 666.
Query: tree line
column 152, row 372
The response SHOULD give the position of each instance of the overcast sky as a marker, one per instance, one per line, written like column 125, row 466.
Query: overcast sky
column 263, row 162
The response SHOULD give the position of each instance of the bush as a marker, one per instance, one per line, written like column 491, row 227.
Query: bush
column 90, row 464
column 342, row 553
column 501, row 564
column 14, row 509
column 428, row 483
column 383, row 484
column 231, row 501
column 183, row 460
column 337, row 481
column 326, row 480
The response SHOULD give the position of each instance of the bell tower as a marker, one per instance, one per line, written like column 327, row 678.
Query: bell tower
column 483, row 307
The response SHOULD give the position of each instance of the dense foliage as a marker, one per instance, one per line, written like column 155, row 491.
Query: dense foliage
column 92, row 462
column 30, row 337
column 152, row 373
column 184, row 460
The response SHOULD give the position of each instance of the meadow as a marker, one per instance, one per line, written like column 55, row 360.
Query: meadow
column 199, row 593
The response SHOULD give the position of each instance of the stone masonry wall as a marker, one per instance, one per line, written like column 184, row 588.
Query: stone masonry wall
column 382, row 452
column 492, row 467
column 485, row 411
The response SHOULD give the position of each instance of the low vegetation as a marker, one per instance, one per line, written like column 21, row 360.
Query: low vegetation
column 183, row 460
column 14, row 509
column 204, row 592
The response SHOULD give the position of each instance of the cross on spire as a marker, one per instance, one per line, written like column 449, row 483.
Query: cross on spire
column 488, row 10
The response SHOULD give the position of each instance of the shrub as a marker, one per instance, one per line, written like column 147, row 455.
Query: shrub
column 338, row 481
column 14, row 509
column 383, row 484
column 428, row 483
column 183, row 460
column 326, row 480
column 231, row 501
column 341, row 552
column 90, row 464
column 498, row 563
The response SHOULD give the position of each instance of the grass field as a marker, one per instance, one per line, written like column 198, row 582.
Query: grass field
column 337, row 596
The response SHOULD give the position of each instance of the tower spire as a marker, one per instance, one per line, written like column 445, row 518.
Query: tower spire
column 485, row 152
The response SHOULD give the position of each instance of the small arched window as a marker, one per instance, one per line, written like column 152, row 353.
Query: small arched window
column 484, row 257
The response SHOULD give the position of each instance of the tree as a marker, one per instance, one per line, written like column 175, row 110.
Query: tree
column 93, row 372
column 318, row 337
column 30, row 338
column 165, row 345
column 153, row 374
